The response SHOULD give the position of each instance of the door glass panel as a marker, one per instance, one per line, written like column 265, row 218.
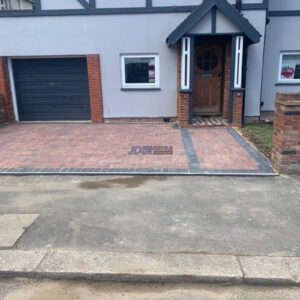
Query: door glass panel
column 207, row 60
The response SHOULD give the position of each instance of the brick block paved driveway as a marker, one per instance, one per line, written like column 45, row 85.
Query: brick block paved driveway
column 85, row 148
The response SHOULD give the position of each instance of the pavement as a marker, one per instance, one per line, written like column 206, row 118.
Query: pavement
column 159, row 148
column 149, row 267
column 27, row 289
column 12, row 227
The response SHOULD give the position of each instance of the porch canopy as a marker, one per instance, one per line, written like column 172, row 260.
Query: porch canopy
column 215, row 17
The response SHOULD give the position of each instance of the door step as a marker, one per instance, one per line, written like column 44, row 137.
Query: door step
column 211, row 121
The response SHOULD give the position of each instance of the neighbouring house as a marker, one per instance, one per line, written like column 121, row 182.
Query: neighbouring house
column 105, row 59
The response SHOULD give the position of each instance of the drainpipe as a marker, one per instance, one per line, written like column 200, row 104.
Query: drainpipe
column 261, row 102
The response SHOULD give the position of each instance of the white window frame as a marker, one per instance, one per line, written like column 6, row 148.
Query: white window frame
column 155, row 85
column 238, row 76
column 19, row 5
column 280, row 67
column 185, row 63
column 3, row 6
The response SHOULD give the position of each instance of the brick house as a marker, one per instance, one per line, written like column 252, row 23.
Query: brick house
column 159, row 58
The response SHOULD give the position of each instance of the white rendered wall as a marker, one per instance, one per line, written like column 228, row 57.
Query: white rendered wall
column 279, row 38
column 108, row 36
column 255, row 64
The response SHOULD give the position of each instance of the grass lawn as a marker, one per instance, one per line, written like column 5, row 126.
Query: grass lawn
column 261, row 133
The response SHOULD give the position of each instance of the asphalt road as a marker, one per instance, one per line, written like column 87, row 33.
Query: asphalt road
column 219, row 215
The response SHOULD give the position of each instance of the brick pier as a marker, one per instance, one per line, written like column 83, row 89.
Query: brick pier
column 5, row 91
column 2, row 113
column 286, row 138
column 95, row 87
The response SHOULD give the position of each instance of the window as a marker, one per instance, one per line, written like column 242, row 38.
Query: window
column 16, row 4
column 140, row 71
column 289, row 67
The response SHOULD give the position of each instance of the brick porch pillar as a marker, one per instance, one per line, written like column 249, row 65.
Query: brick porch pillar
column 2, row 113
column 237, row 111
column 5, row 91
column 286, row 137
column 95, row 87
column 183, row 97
column 236, row 96
column 183, row 109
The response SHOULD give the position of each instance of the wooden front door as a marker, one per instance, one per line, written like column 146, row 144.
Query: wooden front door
column 208, row 70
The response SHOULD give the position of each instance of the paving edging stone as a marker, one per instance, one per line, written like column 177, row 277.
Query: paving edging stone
column 15, row 172
column 266, row 270
column 142, row 267
column 150, row 267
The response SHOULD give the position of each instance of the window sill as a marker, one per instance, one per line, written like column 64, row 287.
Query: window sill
column 140, row 89
column 287, row 83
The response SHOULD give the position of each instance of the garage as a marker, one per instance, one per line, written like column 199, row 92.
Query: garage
column 51, row 89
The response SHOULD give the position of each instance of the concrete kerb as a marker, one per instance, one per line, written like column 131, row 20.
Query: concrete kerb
column 150, row 267
column 150, row 173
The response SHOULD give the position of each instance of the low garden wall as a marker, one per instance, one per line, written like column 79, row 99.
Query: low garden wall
column 286, row 138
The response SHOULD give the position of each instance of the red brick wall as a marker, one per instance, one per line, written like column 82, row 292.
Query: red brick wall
column 95, row 87
column 237, row 113
column 2, row 114
column 286, row 137
column 184, row 99
column 226, row 84
column 5, row 90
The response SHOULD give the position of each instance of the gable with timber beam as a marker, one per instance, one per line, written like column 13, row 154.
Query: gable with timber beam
column 215, row 17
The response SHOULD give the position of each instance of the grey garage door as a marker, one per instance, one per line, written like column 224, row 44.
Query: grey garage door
column 52, row 89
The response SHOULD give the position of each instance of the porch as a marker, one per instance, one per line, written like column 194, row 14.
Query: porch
column 212, row 63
